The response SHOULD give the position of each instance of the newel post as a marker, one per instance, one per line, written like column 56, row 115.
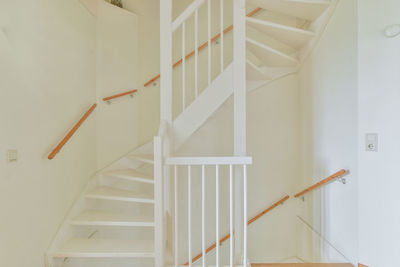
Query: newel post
column 239, row 81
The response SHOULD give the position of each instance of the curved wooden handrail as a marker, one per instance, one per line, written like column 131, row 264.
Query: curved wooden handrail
column 119, row 95
column 322, row 183
column 255, row 218
column 203, row 46
column 71, row 132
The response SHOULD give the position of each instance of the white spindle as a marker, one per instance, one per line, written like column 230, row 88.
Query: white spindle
column 196, row 52
column 231, row 213
column 190, row 215
column 203, row 220
column 183, row 69
column 244, row 215
column 222, row 34
column 209, row 42
column 217, row 213
column 176, row 215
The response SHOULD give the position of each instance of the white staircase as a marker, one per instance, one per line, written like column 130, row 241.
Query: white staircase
column 120, row 213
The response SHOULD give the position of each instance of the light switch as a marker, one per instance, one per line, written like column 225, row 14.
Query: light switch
column 12, row 155
column 371, row 142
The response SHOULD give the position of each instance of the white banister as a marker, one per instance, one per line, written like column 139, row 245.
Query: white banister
column 244, row 216
column 176, row 216
column 222, row 34
column 209, row 161
column 190, row 214
column 209, row 41
column 196, row 52
column 186, row 14
column 203, row 220
column 217, row 214
column 219, row 162
column 158, row 200
column 183, row 68
column 231, row 215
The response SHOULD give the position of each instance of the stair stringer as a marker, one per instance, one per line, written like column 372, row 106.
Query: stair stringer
column 203, row 107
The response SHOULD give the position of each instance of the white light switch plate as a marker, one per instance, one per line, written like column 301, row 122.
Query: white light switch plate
column 12, row 155
column 371, row 142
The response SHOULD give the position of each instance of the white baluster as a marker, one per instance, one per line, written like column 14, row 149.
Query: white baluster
column 176, row 215
column 222, row 34
column 217, row 212
column 231, row 213
column 244, row 216
column 190, row 214
column 196, row 52
column 203, row 221
column 183, row 69
column 209, row 42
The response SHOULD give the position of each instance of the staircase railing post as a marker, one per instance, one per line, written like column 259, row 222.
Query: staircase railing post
column 239, row 81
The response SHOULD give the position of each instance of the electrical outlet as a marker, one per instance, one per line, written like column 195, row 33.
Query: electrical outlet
column 12, row 155
column 371, row 142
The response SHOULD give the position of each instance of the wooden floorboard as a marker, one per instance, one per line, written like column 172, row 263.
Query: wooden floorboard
column 302, row 265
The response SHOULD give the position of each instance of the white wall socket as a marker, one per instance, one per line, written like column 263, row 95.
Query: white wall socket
column 371, row 142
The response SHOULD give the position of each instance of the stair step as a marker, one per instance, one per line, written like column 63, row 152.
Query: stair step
column 253, row 72
column 305, row 9
column 142, row 158
column 102, row 218
column 294, row 37
column 302, row 265
column 130, row 174
column 271, row 56
column 109, row 193
column 105, row 248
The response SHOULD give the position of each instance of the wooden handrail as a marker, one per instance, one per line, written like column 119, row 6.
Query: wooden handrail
column 71, row 132
column 255, row 218
column 322, row 183
column 119, row 95
column 203, row 46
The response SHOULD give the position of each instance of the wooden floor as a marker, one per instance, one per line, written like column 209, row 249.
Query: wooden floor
column 302, row 265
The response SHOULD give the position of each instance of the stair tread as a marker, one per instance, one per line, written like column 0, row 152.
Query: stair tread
column 130, row 174
column 291, row 36
column 305, row 9
column 93, row 217
column 105, row 248
column 110, row 193
column 271, row 56
column 146, row 158
column 254, row 72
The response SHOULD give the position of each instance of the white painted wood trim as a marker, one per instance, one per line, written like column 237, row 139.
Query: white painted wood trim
column 280, row 26
column 186, row 14
column 209, row 161
column 272, row 50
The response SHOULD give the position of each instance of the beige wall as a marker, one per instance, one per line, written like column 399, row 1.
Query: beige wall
column 328, row 86
column 378, row 106
column 117, row 71
column 47, row 66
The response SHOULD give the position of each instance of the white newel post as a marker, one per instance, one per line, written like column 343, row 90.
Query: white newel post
column 162, row 144
column 239, row 53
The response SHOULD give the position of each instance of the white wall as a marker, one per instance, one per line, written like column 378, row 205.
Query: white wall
column 117, row 71
column 328, row 84
column 379, row 97
column 47, row 81
column 273, row 141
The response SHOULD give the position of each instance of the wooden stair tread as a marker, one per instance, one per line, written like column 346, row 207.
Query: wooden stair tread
column 105, row 248
column 109, row 193
column 103, row 218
